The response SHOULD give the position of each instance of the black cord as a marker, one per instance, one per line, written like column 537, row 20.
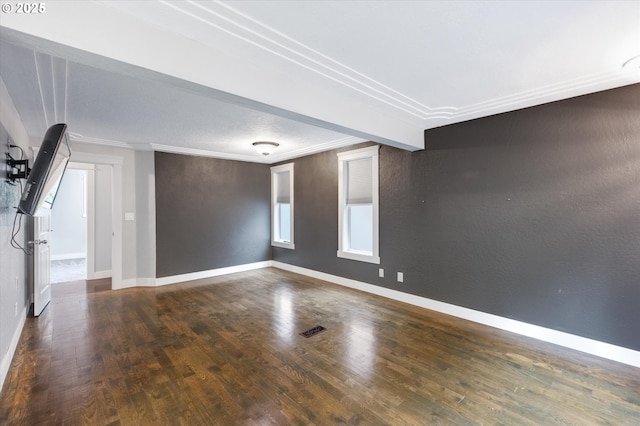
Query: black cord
column 20, row 148
column 14, row 232
column 15, row 244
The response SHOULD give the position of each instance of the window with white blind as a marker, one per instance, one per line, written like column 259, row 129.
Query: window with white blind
column 358, row 205
column 282, row 206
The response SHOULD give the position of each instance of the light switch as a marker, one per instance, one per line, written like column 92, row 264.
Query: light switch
column 129, row 216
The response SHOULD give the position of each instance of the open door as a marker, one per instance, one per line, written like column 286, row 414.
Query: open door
column 41, row 263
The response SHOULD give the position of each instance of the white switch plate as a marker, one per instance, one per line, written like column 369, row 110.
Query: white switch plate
column 381, row 273
column 400, row 277
column 129, row 216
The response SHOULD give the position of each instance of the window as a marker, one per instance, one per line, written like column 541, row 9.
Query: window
column 282, row 206
column 358, row 205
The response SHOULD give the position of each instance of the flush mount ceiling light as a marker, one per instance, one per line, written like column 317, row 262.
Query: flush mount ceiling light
column 265, row 148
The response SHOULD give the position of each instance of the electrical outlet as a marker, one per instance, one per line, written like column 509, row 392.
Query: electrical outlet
column 400, row 277
column 381, row 273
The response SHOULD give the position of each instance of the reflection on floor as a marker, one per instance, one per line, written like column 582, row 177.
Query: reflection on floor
column 226, row 350
column 68, row 270
column 79, row 288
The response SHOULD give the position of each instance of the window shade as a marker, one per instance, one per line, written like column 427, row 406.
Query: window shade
column 283, row 196
column 359, row 184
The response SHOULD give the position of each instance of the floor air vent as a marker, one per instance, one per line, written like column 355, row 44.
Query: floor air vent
column 313, row 331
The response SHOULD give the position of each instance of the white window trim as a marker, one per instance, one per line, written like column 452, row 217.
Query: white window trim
column 368, row 152
column 274, row 171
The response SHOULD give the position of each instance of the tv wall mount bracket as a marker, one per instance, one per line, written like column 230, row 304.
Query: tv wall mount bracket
column 18, row 169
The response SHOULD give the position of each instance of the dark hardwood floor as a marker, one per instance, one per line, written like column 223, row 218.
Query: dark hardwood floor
column 227, row 351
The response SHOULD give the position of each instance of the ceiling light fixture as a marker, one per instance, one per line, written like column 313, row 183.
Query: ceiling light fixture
column 265, row 148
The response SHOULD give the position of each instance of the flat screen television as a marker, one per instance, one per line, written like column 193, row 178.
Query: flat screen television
column 48, row 168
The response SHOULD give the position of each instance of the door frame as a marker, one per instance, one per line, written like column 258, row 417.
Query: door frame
column 116, row 206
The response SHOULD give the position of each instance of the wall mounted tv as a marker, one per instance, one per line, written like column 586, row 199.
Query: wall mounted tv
column 45, row 176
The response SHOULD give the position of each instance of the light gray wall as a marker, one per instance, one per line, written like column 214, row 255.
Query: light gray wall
column 103, row 216
column 146, row 215
column 68, row 218
column 13, row 263
column 532, row 215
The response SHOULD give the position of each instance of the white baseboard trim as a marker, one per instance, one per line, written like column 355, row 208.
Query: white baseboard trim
column 65, row 256
column 8, row 357
column 146, row 282
column 583, row 344
column 128, row 283
column 173, row 279
column 98, row 275
column 135, row 282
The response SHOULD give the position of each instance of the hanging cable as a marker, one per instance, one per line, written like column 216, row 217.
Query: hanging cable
column 18, row 220
column 15, row 232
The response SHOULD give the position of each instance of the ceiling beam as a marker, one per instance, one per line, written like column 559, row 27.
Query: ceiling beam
column 233, row 70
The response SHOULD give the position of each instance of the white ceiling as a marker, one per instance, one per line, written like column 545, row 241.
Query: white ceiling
column 209, row 78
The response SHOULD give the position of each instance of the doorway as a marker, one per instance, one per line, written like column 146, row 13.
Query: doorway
column 69, row 228
column 82, row 224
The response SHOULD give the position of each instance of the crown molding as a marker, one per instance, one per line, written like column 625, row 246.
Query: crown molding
column 206, row 153
column 327, row 146
column 564, row 89
column 223, row 17
column 274, row 158
column 76, row 137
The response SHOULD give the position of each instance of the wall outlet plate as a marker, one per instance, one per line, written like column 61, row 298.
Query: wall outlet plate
column 400, row 277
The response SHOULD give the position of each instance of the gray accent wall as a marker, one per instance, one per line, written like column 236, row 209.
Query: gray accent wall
column 532, row 215
column 210, row 213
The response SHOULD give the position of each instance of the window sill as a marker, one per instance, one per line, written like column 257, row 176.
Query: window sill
column 290, row 246
column 359, row 257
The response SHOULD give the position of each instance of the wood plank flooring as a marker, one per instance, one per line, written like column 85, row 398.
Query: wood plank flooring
column 227, row 351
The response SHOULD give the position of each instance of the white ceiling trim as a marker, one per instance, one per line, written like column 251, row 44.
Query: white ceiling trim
column 335, row 144
column 251, row 31
column 52, row 74
column 205, row 153
column 274, row 158
column 516, row 100
column 75, row 137
column 229, row 20
column 39, row 66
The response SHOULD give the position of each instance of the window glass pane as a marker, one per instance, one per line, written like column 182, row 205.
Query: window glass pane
column 360, row 228
column 284, row 222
